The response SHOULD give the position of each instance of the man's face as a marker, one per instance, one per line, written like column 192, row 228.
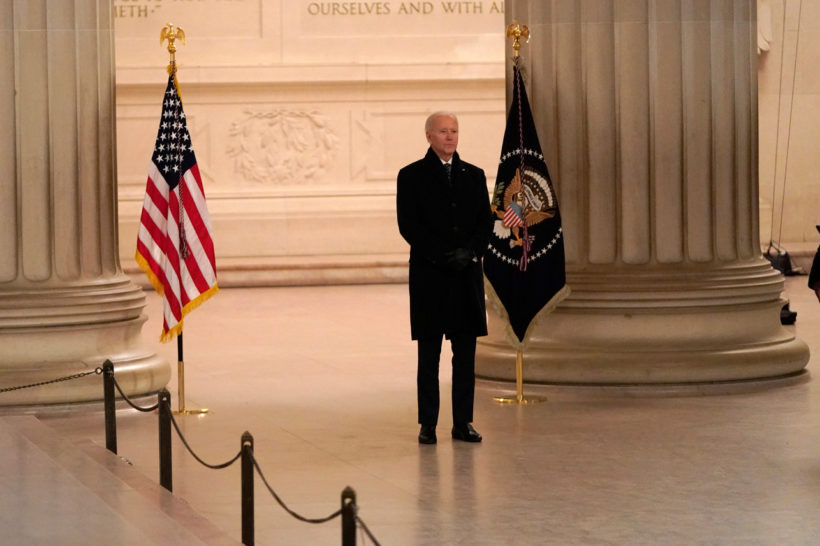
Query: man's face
column 443, row 136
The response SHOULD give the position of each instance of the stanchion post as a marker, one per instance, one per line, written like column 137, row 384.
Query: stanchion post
column 165, row 471
column 247, row 489
column 348, row 517
column 109, row 409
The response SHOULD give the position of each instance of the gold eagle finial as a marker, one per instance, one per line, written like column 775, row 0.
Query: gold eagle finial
column 516, row 31
column 171, row 33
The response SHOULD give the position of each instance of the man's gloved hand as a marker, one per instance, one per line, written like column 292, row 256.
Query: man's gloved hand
column 458, row 259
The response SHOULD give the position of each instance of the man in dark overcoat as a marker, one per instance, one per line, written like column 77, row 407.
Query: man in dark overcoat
column 444, row 214
column 814, row 274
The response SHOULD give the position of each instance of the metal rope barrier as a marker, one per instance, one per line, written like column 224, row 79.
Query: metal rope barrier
column 97, row 371
column 349, row 510
column 335, row 514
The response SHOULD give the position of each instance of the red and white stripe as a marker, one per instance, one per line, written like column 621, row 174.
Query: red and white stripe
column 184, row 284
column 511, row 218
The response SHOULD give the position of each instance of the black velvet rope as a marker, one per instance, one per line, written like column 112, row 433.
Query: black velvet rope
column 284, row 506
column 184, row 441
column 130, row 403
column 195, row 456
column 367, row 531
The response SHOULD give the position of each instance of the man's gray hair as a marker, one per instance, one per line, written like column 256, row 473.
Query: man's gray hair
column 428, row 125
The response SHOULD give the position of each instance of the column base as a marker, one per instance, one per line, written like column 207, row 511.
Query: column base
column 34, row 355
column 578, row 391
column 656, row 346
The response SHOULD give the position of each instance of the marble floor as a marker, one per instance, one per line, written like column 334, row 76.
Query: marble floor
column 323, row 378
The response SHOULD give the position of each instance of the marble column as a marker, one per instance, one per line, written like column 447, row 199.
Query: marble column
column 65, row 305
column 647, row 113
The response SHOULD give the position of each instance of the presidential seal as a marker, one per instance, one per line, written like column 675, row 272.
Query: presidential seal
column 526, row 201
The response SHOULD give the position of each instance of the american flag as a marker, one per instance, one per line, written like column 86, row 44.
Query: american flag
column 174, row 245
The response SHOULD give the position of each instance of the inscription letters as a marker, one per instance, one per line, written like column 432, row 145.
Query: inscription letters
column 459, row 7
column 139, row 9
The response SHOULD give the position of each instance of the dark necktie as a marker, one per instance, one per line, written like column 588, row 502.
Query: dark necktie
column 448, row 168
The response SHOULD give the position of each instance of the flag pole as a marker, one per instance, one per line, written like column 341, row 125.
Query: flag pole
column 516, row 32
column 181, row 384
column 519, row 398
column 519, row 377
column 180, row 376
column 171, row 33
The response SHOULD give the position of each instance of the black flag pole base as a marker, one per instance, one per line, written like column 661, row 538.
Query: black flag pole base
column 519, row 397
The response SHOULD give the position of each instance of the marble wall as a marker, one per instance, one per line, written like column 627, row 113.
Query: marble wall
column 301, row 114
column 789, row 100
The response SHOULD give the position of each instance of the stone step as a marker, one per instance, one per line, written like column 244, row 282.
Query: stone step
column 55, row 492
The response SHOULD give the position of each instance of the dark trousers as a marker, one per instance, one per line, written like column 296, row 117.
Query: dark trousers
column 463, row 379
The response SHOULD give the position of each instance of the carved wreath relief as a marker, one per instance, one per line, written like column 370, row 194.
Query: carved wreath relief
column 282, row 146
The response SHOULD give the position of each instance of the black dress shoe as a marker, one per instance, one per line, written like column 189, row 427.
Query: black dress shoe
column 466, row 433
column 427, row 434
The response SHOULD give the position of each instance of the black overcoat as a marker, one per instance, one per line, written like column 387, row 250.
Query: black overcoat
column 435, row 217
column 814, row 274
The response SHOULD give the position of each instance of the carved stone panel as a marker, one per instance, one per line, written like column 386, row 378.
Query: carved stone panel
column 282, row 146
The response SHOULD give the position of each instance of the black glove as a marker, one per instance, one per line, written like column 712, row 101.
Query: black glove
column 458, row 259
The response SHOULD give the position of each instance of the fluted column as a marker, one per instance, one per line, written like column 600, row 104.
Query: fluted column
column 647, row 113
column 65, row 305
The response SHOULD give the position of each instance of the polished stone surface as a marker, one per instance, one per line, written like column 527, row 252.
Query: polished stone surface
column 59, row 492
column 323, row 377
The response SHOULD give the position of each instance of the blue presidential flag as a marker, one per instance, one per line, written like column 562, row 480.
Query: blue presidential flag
column 525, row 263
